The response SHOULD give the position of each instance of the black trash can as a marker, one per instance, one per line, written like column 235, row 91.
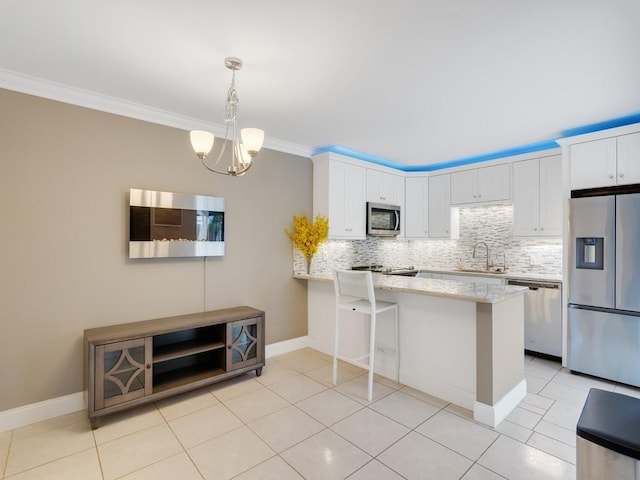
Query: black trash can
column 608, row 437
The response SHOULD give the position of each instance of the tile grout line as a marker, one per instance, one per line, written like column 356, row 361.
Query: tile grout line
column 557, row 380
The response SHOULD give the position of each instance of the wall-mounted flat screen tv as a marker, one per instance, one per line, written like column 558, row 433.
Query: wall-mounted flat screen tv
column 166, row 224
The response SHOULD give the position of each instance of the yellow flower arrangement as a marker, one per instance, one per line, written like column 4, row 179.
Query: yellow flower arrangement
column 307, row 236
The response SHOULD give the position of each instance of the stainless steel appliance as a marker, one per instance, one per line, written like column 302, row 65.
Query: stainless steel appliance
column 383, row 220
column 542, row 317
column 604, row 287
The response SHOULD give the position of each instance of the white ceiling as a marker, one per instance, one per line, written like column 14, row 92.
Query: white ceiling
column 413, row 81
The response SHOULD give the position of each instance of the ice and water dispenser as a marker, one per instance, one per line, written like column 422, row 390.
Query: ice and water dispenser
column 590, row 253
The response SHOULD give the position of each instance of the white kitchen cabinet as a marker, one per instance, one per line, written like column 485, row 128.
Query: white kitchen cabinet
column 537, row 197
column 551, row 195
column 439, row 206
column 384, row 187
column 487, row 184
column 416, row 211
column 339, row 190
column 629, row 159
column 606, row 162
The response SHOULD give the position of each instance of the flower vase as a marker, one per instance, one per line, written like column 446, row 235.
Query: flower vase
column 308, row 264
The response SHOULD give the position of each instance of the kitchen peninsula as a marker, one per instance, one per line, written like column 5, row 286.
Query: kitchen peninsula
column 460, row 341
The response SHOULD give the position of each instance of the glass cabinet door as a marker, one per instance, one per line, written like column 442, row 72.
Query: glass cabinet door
column 243, row 347
column 123, row 371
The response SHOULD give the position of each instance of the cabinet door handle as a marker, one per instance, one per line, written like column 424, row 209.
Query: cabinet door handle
column 610, row 177
column 148, row 366
column 229, row 347
column 622, row 175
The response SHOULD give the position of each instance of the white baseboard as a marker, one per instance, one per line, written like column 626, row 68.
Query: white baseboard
column 492, row 415
column 37, row 412
column 286, row 346
column 55, row 407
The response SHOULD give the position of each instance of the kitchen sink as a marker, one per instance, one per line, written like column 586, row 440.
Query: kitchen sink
column 478, row 270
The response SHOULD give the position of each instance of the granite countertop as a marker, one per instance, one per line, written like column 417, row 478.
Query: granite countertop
column 508, row 275
column 470, row 291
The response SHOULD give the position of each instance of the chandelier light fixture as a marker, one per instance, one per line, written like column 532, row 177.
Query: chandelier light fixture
column 242, row 152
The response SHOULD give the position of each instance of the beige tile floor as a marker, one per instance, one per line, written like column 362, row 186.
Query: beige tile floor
column 292, row 423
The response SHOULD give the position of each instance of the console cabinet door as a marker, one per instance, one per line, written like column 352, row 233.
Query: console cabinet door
column 123, row 371
column 244, row 345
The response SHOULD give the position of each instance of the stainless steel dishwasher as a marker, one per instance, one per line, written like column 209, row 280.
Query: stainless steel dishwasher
column 542, row 317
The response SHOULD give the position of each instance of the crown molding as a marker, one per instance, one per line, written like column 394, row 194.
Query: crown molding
column 83, row 98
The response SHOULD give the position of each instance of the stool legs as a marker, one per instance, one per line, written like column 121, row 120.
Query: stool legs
column 395, row 311
column 335, row 347
column 372, row 349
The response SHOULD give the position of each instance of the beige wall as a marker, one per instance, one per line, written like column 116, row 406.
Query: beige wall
column 65, row 177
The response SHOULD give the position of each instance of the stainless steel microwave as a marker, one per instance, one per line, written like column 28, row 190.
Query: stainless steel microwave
column 383, row 220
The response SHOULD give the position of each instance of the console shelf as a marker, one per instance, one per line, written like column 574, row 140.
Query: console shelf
column 135, row 363
column 183, row 376
column 183, row 349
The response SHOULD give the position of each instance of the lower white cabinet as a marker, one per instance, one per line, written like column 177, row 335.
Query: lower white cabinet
column 537, row 197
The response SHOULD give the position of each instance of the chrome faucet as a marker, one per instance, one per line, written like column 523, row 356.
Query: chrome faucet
column 504, row 261
column 486, row 247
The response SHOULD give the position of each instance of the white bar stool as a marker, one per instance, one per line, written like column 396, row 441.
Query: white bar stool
column 354, row 291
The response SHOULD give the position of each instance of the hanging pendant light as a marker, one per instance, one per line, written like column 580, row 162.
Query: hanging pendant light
column 245, row 143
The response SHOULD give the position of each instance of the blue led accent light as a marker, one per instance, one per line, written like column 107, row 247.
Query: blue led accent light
column 360, row 156
column 596, row 127
column 507, row 152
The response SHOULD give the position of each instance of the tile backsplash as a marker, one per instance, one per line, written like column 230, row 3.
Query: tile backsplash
column 490, row 224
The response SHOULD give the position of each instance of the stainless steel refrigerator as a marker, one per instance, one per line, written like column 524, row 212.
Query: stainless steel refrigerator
column 604, row 288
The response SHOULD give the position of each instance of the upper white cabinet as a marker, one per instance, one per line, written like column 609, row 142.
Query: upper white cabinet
column 339, row 190
column 439, row 208
column 488, row 184
column 384, row 187
column 416, row 211
column 606, row 162
column 537, row 197
column 551, row 195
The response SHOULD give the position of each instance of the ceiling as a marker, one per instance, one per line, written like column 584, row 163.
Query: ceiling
column 416, row 82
